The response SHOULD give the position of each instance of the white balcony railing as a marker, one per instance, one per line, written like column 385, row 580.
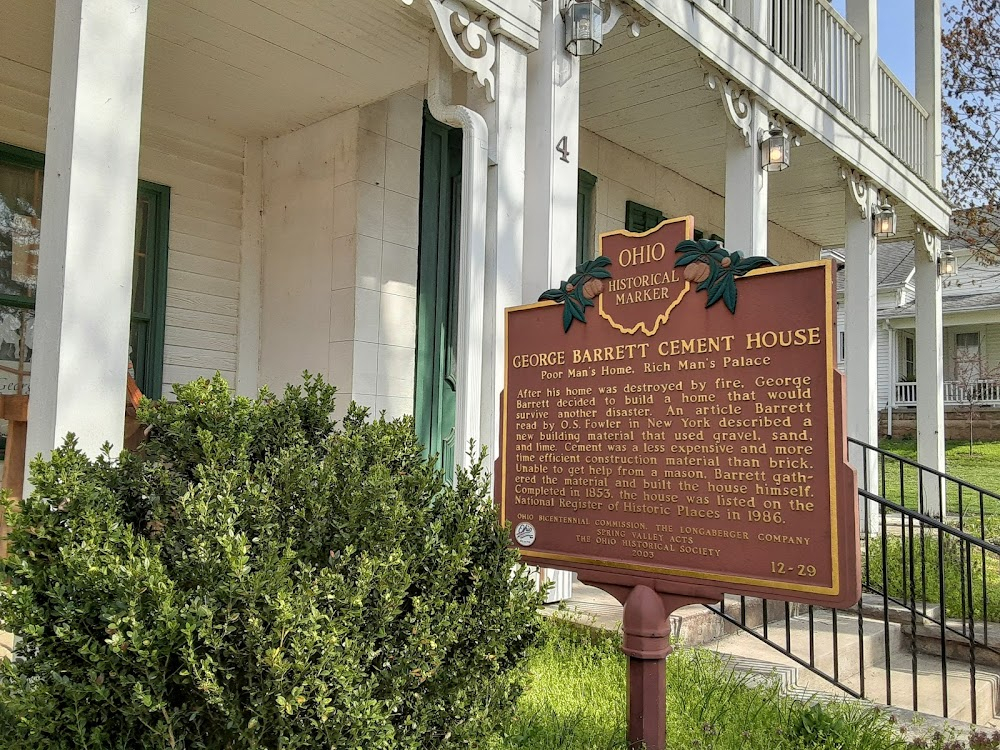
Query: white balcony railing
column 812, row 37
column 955, row 394
column 902, row 122
column 815, row 39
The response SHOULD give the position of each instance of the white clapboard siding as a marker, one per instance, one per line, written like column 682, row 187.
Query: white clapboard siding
column 200, row 358
column 884, row 356
column 203, row 167
column 210, row 341
column 991, row 345
column 199, row 320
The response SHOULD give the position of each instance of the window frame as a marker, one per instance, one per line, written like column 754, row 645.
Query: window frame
column 156, row 286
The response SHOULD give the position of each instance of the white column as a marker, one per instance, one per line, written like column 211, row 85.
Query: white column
column 894, row 376
column 863, row 16
column 88, row 230
column 930, row 366
column 551, row 175
column 251, row 269
column 861, row 338
column 746, row 182
column 506, row 120
column 551, row 182
column 927, row 26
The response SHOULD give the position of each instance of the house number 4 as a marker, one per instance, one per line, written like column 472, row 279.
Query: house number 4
column 563, row 148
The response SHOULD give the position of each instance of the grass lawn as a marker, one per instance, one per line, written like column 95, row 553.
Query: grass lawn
column 981, row 468
column 576, row 701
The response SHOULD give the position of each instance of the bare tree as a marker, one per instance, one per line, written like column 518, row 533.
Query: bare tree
column 977, row 382
column 971, row 119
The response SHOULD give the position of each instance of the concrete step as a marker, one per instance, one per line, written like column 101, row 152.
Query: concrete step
column 697, row 626
column 800, row 683
column 874, row 606
column 840, row 651
column 748, row 653
column 927, row 638
column 928, row 692
column 693, row 625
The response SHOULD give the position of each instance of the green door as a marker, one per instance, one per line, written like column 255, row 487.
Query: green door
column 437, row 289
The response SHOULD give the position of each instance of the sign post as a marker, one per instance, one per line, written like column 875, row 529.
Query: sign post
column 673, row 430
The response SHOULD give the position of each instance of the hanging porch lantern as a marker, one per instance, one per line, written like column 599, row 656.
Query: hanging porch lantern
column 584, row 27
column 884, row 221
column 947, row 264
column 775, row 150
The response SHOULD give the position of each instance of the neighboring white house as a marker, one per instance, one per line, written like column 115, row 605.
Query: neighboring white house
column 970, row 332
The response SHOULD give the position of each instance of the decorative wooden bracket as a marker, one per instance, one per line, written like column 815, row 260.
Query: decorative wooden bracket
column 735, row 100
column 468, row 40
column 614, row 11
column 859, row 189
column 927, row 240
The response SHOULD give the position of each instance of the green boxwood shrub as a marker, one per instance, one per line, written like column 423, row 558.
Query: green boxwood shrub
column 259, row 578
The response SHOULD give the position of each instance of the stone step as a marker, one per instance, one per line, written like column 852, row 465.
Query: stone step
column 927, row 638
column 804, row 685
column 693, row 625
column 840, row 651
column 875, row 606
column 928, row 693
column 697, row 626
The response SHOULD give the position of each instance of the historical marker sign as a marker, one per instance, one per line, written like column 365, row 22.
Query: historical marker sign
column 675, row 417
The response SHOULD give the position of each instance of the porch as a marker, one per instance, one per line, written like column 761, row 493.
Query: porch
column 955, row 393
column 970, row 356
column 294, row 221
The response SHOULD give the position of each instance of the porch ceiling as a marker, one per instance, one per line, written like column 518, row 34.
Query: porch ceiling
column 649, row 96
column 256, row 67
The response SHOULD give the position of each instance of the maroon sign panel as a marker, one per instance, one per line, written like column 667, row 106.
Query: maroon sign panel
column 672, row 413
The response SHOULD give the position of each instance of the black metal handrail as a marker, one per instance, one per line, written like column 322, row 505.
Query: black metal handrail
column 926, row 520
column 927, row 605
column 922, row 467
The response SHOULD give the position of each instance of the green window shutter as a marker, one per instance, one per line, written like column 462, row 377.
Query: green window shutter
column 640, row 218
column 584, row 216
column 698, row 235
column 149, row 287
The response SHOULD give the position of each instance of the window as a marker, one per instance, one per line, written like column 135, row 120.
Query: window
column 841, row 345
column 968, row 341
column 584, row 216
column 640, row 218
column 967, row 360
column 909, row 359
column 21, row 176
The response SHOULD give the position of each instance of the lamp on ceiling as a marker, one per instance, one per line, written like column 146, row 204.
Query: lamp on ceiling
column 947, row 264
column 775, row 150
column 584, row 27
column 884, row 221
